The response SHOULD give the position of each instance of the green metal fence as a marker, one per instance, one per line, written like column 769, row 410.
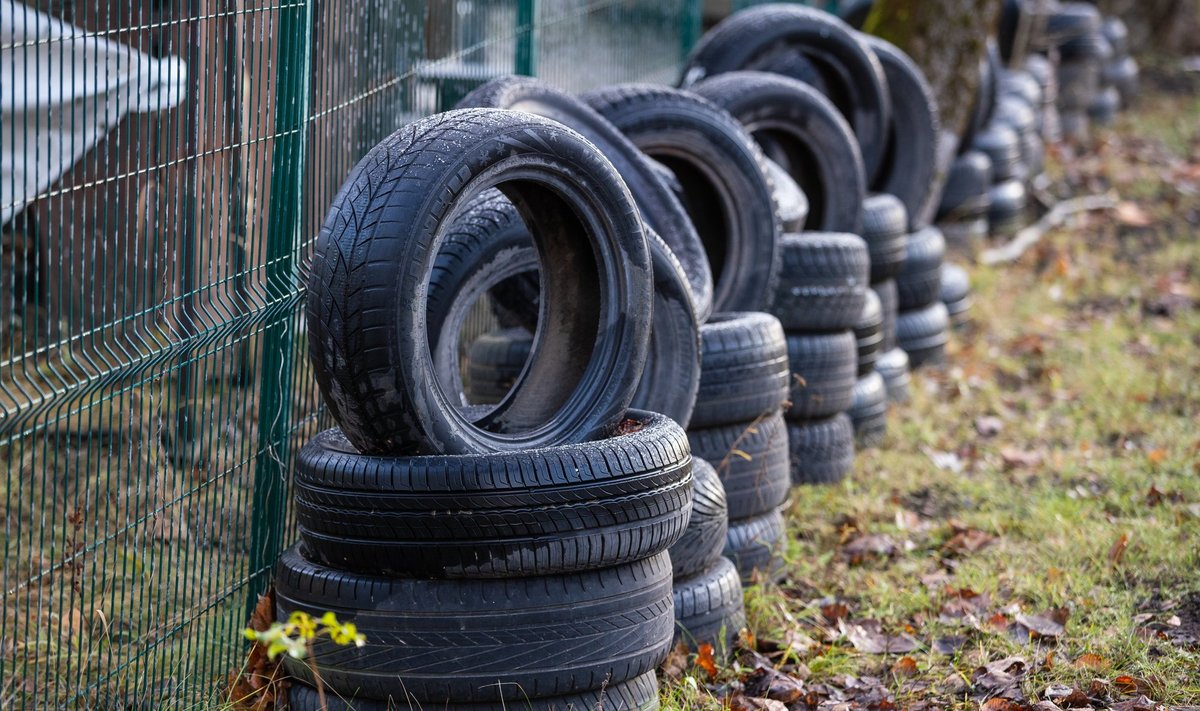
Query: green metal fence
column 167, row 165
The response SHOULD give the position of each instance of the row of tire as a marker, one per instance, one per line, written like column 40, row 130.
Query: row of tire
column 514, row 528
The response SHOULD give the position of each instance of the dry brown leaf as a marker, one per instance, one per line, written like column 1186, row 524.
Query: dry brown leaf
column 676, row 662
column 1116, row 552
column 1131, row 214
column 834, row 611
column 765, row 682
column 1019, row 459
column 967, row 540
column 705, row 660
column 998, row 704
column 1048, row 625
column 862, row 548
column 741, row 702
column 1130, row 684
column 1091, row 661
column 905, row 666
column 868, row 637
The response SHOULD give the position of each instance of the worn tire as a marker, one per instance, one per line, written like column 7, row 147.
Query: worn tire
column 965, row 195
column 709, row 607
column 791, row 204
column 822, row 450
column 956, row 294
column 893, row 366
column 538, row 512
column 910, row 162
column 923, row 334
column 743, row 369
column 722, row 174
column 852, row 74
column 366, row 310
column 495, row 363
column 704, row 538
column 751, row 461
column 885, row 228
column 659, row 207
column 1007, row 213
column 800, row 129
column 755, row 546
column 869, row 411
column 640, row 694
column 824, row 367
column 920, row 281
column 889, row 304
column 823, row 283
column 476, row 640
column 1002, row 144
column 868, row 333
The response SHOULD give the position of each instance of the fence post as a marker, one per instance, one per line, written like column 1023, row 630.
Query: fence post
column 278, row 338
column 690, row 26
column 523, row 63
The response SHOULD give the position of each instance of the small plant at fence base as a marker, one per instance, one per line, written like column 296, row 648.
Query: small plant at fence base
column 295, row 637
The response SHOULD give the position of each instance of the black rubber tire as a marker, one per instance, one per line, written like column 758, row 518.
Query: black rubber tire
column 984, row 103
column 822, row 450
column 466, row 641
column 893, row 366
column 920, row 281
column 511, row 514
column 868, row 333
column 855, row 12
column 1002, row 144
column 1024, row 86
column 495, row 363
column 824, row 367
column 923, row 334
column 1116, row 32
column 910, row 162
column 956, row 283
column 1093, row 46
column 709, row 608
column 885, row 228
column 755, row 546
column 869, row 411
column 889, row 305
column 1078, row 83
column 751, row 461
column 704, row 538
column 800, row 129
column 660, row 208
column 823, row 283
column 368, row 335
column 965, row 194
column 791, row 204
column 640, row 694
column 1123, row 73
column 1103, row 109
column 1072, row 19
column 722, row 173
column 853, row 76
column 1007, row 213
column 743, row 369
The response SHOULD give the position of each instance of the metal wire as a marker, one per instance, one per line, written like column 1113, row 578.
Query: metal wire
column 153, row 378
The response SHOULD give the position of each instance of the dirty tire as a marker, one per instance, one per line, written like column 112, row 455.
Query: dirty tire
column 515, row 514
column 824, row 367
column 885, row 228
column 743, row 369
column 822, row 450
column 1006, row 216
column 1002, row 144
column 723, row 178
column 893, row 366
column 495, row 363
column 889, row 305
column 868, row 333
column 823, row 283
column 965, row 194
column 661, row 210
column 791, row 203
column 956, row 294
column 869, row 411
column 800, row 129
column 919, row 283
column 755, row 545
column 368, row 338
column 468, row 641
column 703, row 539
column 751, row 461
column 923, row 334
column 709, row 608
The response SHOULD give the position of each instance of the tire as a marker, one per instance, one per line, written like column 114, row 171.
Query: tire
column 823, row 283
column 868, row 334
column 853, row 76
column 1117, row 34
column 956, row 283
column 923, row 334
column 539, row 512
column 469, row 641
column 1022, row 85
column 704, row 538
column 889, row 305
column 966, row 189
column 920, row 281
column 640, row 694
column 824, row 367
column 743, row 369
column 1078, row 83
column 1076, row 126
column 802, row 131
column 496, row 361
column 755, row 546
column 1002, row 144
column 910, row 163
column 822, row 450
column 885, row 228
column 751, row 461
column 869, row 411
column 1021, row 118
column 1103, row 109
column 985, row 97
column 1007, row 214
column 1123, row 74
column 722, row 174
column 967, row 237
column 661, row 210
column 855, row 12
column 366, row 309
column 1092, row 46
column 709, row 608
column 893, row 367
column 791, row 204
column 1072, row 19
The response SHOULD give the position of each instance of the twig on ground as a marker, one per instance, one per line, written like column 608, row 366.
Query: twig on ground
column 1030, row 236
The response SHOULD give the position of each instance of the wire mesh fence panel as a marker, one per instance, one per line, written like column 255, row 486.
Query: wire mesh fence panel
column 166, row 168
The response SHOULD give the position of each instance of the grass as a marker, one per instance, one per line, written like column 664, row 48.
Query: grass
column 1071, row 411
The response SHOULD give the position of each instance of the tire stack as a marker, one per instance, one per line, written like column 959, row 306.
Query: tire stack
column 514, row 554
column 1075, row 29
column 1121, row 72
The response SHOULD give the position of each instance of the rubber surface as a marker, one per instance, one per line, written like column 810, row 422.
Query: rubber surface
column 893, row 366
column 709, row 608
column 755, row 545
column 743, row 369
column 751, row 461
column 1002, row 144
column 869, row 411
column 1007, row 213
column 920, row 281
column 366, row 310
column 822, row 450
column 824, row 367
column 889, row 305
column 868, row 333
column 823, row 283
column 923, row 334
column 457, row 641
column 885, row 229
column 511, row 514
column 965, row 195
column 791, row 204
column 495, row 362
column 704, row 538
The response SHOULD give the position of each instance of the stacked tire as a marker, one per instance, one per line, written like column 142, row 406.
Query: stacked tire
column 550, row 582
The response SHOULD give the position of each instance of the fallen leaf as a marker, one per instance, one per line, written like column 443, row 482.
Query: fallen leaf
column 988, row 425
column 1157, row 455
column 1001, row 678
column 1141, row 703
column 705, row 660
column 1046, row 625
column 1131, row 214
column 949, row 645
column 1046, row 706
column 997, row 703
column 1130, row 684
column 1067, row 696
column 1091, row 661
column 1019, row 458
column 1116, row 552
column 904, row 666
column 741, row 702
column 676, row 662
column 766, row 682
column 835, row 611
column 799, row 643
column 967, row 540
column 868, row 637
column 947, row 461
column 865, row 547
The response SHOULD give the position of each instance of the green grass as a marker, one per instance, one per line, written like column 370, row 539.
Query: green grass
column 1102, row 397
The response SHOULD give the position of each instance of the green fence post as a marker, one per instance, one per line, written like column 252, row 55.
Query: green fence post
column 523, row 63
column 690, row 26
column 278, row 338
